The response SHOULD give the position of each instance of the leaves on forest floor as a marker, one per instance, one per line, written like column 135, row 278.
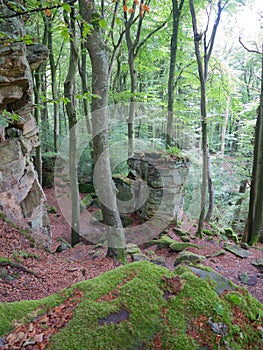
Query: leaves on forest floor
column 36, row 334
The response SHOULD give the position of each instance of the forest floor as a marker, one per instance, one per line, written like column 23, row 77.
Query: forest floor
column 37, row 273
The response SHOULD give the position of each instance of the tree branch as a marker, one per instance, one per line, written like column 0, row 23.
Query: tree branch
column 247, row 49
column 148, row 37
column 20, row 267
column 17, row 14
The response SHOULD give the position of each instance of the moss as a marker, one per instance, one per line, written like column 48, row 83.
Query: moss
column 138, row 289
column 19, row 254
column 51, row 209
column 180, row 246
column 25, row 311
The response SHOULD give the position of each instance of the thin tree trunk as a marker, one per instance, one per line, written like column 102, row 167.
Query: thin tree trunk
column 38, row 77
column 236, row 216
column 211, row 189
column 224, row 126
column 177, row 8
column 203, row 75
column 83, row 75
column 103, row 176
column 53, row 69
column 69, row 91
column 197, row 40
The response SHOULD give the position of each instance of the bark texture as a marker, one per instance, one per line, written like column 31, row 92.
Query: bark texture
column 102, row 172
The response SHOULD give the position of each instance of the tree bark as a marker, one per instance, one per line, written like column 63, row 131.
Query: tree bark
column 83, row 75
column 69, row 91
column 102, row 176
column 177, row 8
column 53, row 69
column 197, row 40
column 224, row 126
column 254, row 228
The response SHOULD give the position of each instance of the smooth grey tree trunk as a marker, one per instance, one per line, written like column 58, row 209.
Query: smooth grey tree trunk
column 102, row 171
column 69, row 91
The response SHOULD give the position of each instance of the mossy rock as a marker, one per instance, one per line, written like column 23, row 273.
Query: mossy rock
column 140, row 257
column 208, row 232
column 259, row 264
column 163, row 242
column 86, row 202
column 231, row 234
column 126, row 220
column 185, row 239
column 158, row 260
column 86, row 188
column 140, row 306
column 189, row 258
column 180, row 232
column 96, row 217
column 132, row 249
column 180, row 246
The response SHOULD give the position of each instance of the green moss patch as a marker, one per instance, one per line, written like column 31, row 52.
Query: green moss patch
column 143, row 306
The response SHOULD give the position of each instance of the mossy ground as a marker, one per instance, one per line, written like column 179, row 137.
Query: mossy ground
column 161, row 312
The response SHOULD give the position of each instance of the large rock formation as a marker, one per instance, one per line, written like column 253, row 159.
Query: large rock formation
column 22, row 199
column 156, row 186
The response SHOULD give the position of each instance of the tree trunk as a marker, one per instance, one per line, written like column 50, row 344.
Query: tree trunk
column 102, row 172
column 224, row 126
column 203, row 121
column 254, row 229
column 177, row 8
column 38, row 75
column 83, row 75
column 133, row 78
column 69, row 91
column 54, row 82
column 236, row 216
column 248, row 233
column 211, row 189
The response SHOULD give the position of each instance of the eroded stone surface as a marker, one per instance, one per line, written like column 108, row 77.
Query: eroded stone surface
column 22, row 198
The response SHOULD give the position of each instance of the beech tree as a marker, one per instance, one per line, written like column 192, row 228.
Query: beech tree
column 254, row 228
column 103, row 176
column 203, row 75
column 69, row 91
column 177, row 9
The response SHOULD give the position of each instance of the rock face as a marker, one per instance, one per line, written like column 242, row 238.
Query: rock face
column 156, row 187
column 22, row 199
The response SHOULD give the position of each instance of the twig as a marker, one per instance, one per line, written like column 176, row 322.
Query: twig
column 22, row 13
column 249, row 50
column 20, row 267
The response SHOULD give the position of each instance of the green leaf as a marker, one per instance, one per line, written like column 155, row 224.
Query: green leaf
column 103, row 23
column 28, row 39
column 235, row 299
column 118, row 21
column 66, row 7
column 64, row 33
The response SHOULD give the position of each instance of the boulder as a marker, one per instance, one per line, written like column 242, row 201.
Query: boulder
column 238, row 251
column 180, row 246
column 189, row 258
column 259, row 264
column 136, row 306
